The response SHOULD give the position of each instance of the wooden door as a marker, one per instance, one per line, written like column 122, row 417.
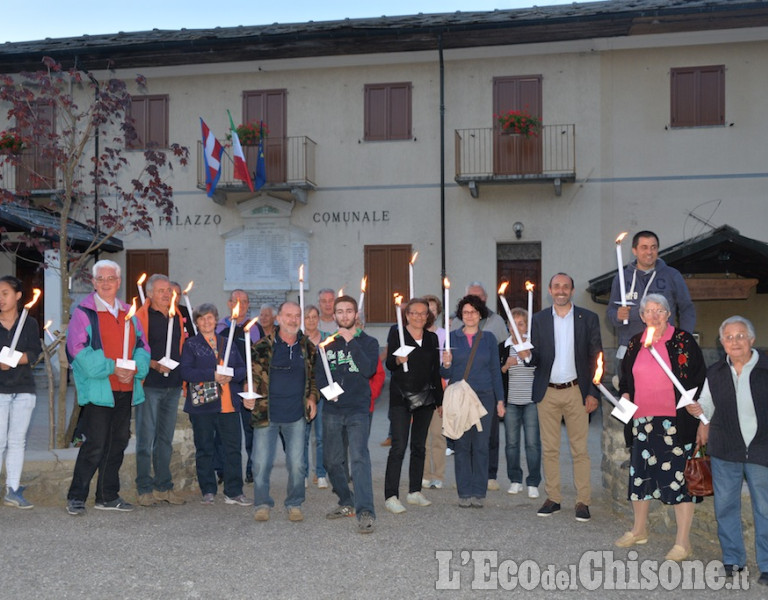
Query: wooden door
column 516, row 155
column 517, row 272
column 387, row 269
column 268, row 106
column 142, row 261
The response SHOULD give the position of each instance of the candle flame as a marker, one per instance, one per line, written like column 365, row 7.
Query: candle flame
column 132, row 311
column 529, row 286
column 649, row 337
column 47, row 325
column 599, row 372
column 301, row 272
column 35, row 295
column 363, row 281
column 503, row 288
column 141, row 279
column 341, row 292
column 446, row 283
column 172, row 310
column 328, row 340
column 250, row 324
column 236, row 311
column 189, row 287
column 413, row 258
column 398, row 299
column 621, row 237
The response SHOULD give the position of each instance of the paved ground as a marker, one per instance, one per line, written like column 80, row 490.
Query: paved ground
column 196, row 551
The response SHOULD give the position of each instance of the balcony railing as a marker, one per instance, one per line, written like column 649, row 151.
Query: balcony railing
column 486, row 155
column 290, row 164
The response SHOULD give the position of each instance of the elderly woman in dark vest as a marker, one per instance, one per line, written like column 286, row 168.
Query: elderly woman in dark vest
column 735, row 399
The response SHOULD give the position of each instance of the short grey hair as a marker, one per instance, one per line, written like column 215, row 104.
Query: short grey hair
column 326, row 291
column 657, row 299
column 156, row 277
column 476, row 284
column 206, row 308
column 269, row 307
column 105, row 264
column 738, row 319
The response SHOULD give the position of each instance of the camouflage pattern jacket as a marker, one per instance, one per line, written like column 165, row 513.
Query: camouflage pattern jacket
column 261, row 354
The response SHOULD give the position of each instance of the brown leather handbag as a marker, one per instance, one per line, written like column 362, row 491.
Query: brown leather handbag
column 698, row 473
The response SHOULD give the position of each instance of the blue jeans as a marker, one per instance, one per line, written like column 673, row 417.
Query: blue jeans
column 264, row 443
column 317, row 423
column 245, row 417
column 471, row 453
column 15, row 415
column 155, row 425
column 357, row 427
column 525, row 417
column 227, row 428
column 727, row 478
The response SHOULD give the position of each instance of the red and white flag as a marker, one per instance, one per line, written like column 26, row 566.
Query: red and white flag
column 241, row 169
column 212, row 150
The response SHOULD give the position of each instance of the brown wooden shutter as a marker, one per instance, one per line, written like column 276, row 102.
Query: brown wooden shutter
column 269, row 106
column 156, row 131
column 139, row 113
column 697, row 96
column 36, row 170
column 387, row 111
column 712, row 95
column 387, row 269
column 375, row 113
column 399, row 111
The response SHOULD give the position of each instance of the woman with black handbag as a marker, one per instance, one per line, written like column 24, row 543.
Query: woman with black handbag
column 414, row 394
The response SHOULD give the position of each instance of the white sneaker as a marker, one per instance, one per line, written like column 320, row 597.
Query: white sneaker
column 436, row 484
column 493, row 485
column 322, row 483
column 448, row 451
column 533, row 492
column 425, row 483
column 394, row 505
column 417, row 498
column 515, row 488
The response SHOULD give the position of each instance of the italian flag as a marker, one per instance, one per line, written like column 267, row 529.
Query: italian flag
column 241, row 169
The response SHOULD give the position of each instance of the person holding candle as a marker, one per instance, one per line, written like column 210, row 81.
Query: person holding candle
column 422, row 381
column 521, row 413
column 284, row 376
column 735, row 399
column 156, row 416
column 648, row 274
column 313, row 333
column 660, row 435
column 484, row 376
column 97, row 338
column 352, row 358
column 434, row 459
column 17, row 389
column 213, row 406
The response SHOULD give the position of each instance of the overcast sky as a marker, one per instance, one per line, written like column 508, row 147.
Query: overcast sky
column 59, row 18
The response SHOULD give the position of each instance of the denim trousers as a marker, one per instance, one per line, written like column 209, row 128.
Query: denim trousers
column 227, row 427
column 245, row 417
column 155, row 425
column 357, row 427
column 470, row 459
column 107, row 431
column 264, row 444
column 523, row 417
column 317, row 425
column 727, row 477
column 15, row 415
column 403, row 421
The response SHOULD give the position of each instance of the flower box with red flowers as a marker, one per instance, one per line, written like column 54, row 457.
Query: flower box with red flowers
column 519, row 122
column 11, row 143
column 250, row 134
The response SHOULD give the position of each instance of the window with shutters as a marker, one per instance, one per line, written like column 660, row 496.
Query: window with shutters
column 698, row 96
column 150, row 120
column 387, row 269
column 387, row 111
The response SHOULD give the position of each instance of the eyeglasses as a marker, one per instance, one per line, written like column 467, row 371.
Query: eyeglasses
column 110, row 279
column 739, row 337
column 469, row 313
column 423, row 315
column 655, row 311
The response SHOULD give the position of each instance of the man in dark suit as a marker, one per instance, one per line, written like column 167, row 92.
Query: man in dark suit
column 566, row 342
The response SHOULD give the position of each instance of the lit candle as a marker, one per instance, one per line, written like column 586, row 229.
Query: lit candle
column 360, row 304
column 20, row 325
column 301, row 294
column 341, row 292
column 410, row 276
column 623, row 408
column 620, row 261
column 127, row 332
column 185, row 293
column 248, row 359
column 232, row 326
column 505, row 304
column 141, row 289
column 529, row 286
column 167, row 360
column 48, row 331
column 400, row 331
column 447, row 311
column 686, row 396
column 333, row 390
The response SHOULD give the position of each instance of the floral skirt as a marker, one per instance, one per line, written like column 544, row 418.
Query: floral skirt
column 657, row 462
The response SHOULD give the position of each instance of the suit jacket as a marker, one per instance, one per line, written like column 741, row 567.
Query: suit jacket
column 588, row 346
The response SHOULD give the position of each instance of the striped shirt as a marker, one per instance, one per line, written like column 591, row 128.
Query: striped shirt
column 520, row 384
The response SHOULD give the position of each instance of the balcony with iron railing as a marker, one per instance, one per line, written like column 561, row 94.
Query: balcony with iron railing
column 290, row 166
column 486, row 155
